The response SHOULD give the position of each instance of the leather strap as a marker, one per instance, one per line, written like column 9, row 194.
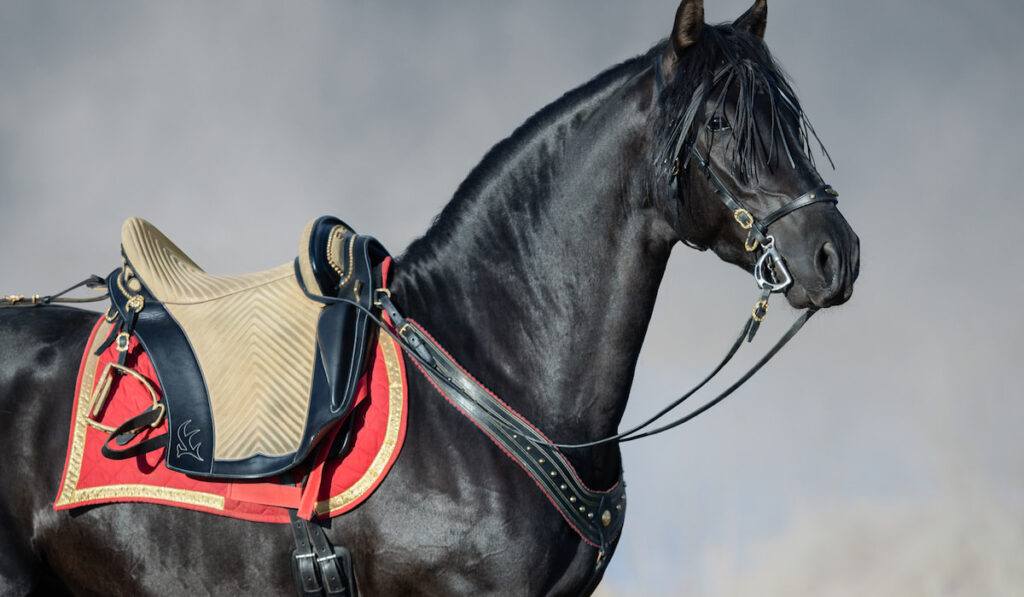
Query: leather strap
column 132, row 427
column 318, row 567
column 759, row 227
column 307, row 582
column 823, row 194
column 93, row 282
column 597, row 516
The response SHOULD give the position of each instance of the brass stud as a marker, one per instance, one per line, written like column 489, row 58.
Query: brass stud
column 582, row 509
column 590, row 515
column 563, row 487
column 619, row 507
column 572, row 499
column 541, row 461
column 812, row 195
column 554, row 474
column 528, row 448
column 606, row 518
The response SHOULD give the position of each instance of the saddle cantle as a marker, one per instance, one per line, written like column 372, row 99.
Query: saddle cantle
column 254, row 370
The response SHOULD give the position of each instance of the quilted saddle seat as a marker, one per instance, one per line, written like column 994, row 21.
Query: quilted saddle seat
column 254, row 370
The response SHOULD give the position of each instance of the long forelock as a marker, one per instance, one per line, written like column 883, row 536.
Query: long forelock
column 726, row 61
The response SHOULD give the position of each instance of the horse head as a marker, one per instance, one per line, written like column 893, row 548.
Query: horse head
column 742, row 174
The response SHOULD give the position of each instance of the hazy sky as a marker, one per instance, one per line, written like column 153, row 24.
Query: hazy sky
column 879, row 454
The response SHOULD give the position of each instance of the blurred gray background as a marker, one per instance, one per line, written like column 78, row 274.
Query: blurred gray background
column 878, row 455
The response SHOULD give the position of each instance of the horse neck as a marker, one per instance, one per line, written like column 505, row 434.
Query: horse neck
column 540, row 277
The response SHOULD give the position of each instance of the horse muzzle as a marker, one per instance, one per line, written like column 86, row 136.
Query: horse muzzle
column 823, row 275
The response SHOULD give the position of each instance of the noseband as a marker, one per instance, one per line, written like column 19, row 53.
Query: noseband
column 769, row 271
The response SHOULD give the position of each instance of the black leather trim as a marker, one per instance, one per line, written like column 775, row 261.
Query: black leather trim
column 584, row 509
column 190, row 447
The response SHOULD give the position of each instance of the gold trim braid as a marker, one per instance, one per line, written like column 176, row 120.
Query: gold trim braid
column 379, row 466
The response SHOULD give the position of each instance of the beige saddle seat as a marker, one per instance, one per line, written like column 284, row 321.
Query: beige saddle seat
column 254, row 336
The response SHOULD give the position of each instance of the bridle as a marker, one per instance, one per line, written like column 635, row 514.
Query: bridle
column 770, row 271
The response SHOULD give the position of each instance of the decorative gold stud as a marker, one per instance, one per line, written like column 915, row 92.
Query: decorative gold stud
column 606, row 518
column 563, row 487
column 572, row 499
column 554, row 473
column 582, row 509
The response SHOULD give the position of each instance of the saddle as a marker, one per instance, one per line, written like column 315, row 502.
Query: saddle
column 254, row 369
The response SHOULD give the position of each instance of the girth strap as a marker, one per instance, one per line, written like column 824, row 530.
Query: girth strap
column 318, row 567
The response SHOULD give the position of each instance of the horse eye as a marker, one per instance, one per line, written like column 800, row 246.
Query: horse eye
column 717, row 123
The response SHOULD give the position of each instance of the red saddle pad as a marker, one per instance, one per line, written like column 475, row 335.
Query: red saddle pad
column 90, row 478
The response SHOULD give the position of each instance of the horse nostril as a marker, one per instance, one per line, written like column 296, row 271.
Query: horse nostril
column 828, row 265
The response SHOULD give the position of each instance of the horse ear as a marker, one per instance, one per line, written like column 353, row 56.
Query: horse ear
column 755, row 19
column 686, row 30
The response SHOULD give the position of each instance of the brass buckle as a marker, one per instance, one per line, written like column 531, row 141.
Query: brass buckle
column 743, row 218
column 380, row 291
column 760, row 310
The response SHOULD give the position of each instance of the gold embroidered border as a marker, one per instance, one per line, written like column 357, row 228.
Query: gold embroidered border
column 396, row 394
column 70, row 493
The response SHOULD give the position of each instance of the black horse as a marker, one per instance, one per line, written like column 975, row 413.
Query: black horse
column 540, row 277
